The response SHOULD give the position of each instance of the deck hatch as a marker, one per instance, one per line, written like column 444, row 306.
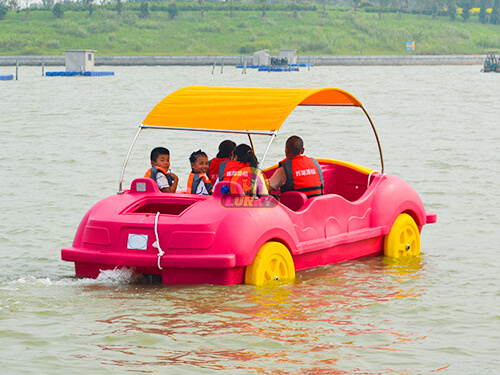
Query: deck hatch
column 174, row 206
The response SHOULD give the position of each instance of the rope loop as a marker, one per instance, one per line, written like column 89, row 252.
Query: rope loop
column 157, row 243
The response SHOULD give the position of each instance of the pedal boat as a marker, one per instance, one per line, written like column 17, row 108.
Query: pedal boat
column 230, row 238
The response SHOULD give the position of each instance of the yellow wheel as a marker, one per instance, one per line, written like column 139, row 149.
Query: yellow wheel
column 272, row 262
column 403, row 239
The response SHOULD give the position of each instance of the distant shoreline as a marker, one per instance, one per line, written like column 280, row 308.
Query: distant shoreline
column 236, row 60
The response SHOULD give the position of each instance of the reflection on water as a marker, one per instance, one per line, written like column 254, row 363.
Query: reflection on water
column 316, row 325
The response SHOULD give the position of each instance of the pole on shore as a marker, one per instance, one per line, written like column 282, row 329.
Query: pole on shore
column 43, row 67
column 17, row 68
column 213, row 67
column 244, row 70
column 222, row 66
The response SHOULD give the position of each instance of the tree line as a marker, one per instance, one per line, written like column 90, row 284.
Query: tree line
column 488, row 11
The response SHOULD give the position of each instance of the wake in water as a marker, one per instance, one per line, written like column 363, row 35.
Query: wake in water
column 118, row 276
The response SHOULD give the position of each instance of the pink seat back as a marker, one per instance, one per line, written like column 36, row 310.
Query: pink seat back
column 294, row 200
column 144, row 185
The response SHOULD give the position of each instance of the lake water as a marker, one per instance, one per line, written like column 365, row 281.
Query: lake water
column 63, row 141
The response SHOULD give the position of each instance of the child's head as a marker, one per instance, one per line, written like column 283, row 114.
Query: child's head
column 226, row 149
column 199, row 162
column 160, row 157
column 244, row 153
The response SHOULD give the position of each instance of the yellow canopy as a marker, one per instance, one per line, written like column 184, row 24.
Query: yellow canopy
column 241, row 109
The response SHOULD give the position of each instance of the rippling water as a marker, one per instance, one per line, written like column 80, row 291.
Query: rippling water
column 63, row 141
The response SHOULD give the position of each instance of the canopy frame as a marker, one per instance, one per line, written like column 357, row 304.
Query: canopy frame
column 271, row 133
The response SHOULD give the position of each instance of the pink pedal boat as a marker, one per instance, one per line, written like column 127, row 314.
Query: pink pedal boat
column 193, row 239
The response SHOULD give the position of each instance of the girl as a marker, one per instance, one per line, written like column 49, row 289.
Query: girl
column 243, row 169
column 198, row 182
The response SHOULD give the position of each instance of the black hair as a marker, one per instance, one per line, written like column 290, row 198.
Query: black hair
column 194, row 156
column 245, row 154
column 225, row 149
column 295, row 144
column 157, row 152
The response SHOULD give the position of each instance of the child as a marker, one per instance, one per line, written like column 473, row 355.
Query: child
column 225, row 152
column 160, row 163
column 198, row 182
column 243, row 168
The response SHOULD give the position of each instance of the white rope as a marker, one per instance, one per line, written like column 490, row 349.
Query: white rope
column 157, row 243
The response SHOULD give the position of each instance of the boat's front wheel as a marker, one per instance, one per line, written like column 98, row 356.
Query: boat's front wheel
column 272, row 262
column 403, row 239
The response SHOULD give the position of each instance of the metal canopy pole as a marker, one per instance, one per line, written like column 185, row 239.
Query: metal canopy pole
column 120, row 191
column 258, row 132
column 251, row 143
column 275, row 133
column 376, row 137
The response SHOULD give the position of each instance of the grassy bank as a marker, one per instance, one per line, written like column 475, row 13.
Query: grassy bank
column 339, row 32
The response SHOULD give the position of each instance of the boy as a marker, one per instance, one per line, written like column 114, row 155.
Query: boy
column 160, row 163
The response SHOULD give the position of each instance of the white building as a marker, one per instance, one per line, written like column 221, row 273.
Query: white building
column 261, row 57
column 289, row 54
column 78, row 60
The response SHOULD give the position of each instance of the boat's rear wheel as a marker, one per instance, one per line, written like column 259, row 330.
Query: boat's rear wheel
column 403, row 239
column 272, row 262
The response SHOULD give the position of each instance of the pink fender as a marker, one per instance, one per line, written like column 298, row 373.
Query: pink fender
column 393, row 197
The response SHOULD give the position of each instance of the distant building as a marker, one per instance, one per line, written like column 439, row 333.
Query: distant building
column 78, row 60
column 261, row 57
column 289, row 54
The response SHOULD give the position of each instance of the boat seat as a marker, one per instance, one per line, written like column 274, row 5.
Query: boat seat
column 228, row 188
column 294, row 200
column 144, row 185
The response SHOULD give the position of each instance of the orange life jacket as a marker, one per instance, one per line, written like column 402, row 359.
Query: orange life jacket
column 303, row 174
column 213, row 169
column 195, row 179
column 238, row 172
column 151, row 173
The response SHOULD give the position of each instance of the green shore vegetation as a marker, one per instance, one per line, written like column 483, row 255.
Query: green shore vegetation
column 235, row 28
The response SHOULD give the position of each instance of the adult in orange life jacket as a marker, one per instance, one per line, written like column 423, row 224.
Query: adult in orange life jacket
column 160, row 163
column 225, row 152
column 243, row 169
column 198, row 181
column 297, row 171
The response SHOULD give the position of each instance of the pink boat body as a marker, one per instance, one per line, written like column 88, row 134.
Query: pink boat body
column 211, row 239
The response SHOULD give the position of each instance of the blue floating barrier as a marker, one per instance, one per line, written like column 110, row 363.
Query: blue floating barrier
column 8, row 77
column 98, row 74
column 248, row 66
column 76, row 73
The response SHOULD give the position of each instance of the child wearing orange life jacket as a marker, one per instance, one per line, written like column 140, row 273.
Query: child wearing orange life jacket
column 198, row 182
column 225, row 152
column 243, row 169
column 160, row 163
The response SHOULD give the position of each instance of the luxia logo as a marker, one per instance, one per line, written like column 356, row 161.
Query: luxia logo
column 230, row 201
